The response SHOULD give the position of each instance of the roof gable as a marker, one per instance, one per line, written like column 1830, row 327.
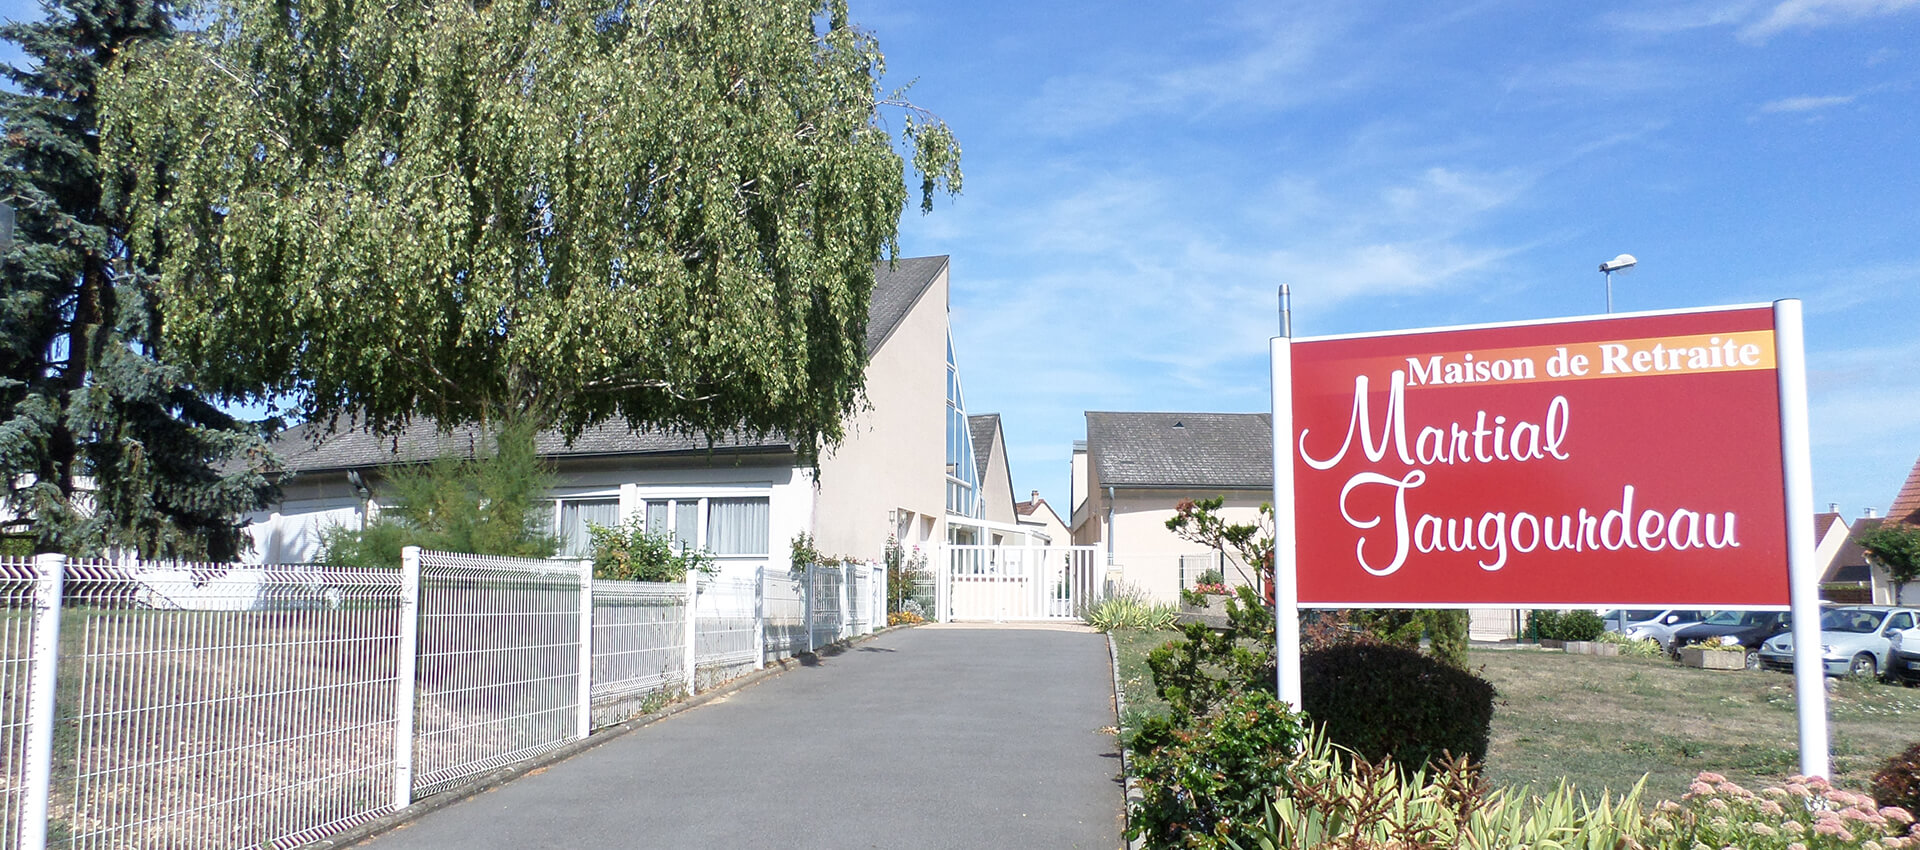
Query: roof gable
column 897, row 287
column 982, row 428
column 1228, row 450
column 1906, row 503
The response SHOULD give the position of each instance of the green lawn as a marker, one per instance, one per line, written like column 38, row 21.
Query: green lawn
column 1605, row 722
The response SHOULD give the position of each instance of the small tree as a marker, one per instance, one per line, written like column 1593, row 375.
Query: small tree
column 492, row 505
column 1896, row 549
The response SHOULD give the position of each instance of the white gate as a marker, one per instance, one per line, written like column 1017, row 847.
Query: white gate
column 1018, row 583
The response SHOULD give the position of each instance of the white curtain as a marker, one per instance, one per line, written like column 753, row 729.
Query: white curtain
column 737, row 526
column 575, row 542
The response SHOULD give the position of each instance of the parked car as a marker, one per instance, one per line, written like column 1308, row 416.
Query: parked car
column 1662, row 626
column 1633, row 617
column 1855, row 640
column 1904, row 653
column 1732, row 628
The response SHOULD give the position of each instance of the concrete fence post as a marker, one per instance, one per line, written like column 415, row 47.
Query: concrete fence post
column 806, row 594
column 693, row 632
column 406, row 656
column 585, row 694
column 846, row 616
column 760, row 618
column 49, row 577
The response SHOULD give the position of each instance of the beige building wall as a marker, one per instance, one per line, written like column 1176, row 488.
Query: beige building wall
column 996, row 487
column 893, row 457
column 1148, row 555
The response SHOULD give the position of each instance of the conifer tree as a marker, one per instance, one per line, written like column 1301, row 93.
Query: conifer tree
column 102, row 444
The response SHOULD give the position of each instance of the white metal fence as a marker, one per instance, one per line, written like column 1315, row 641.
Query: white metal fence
column 215, row 706
column 1019, row 583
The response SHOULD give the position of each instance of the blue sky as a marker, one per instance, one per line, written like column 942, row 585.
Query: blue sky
column 1140, row 179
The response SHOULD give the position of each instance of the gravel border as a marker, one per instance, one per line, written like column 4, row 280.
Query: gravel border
column 1132, row 794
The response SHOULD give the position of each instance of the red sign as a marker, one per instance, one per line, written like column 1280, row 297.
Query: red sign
column 1621, row 461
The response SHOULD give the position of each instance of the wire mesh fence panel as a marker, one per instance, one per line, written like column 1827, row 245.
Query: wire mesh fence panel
column 498, row 663
column 209, row 706
column 825, row 616
column 784, row 607
column 16, row 660
column 725, row 634
column 639, row 645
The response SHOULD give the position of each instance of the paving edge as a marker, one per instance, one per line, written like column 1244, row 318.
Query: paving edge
column 1133, row 794
column 488, row 781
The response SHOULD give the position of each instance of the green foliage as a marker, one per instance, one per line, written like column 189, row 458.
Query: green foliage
column 1386, row 701
column 906, row 579
column 1642, row 648
column 1131, row 609
column 1208, row 667
column 492, row 505
column 1210, row 576
column 1203, row 784
column 1445, row 630
column 1898, row 781
column 1331, row 799
column 102, row 444
column 1805, row 814
column 1563, row 625
column 666, row 213
column 1894, row 547
column 628, row 552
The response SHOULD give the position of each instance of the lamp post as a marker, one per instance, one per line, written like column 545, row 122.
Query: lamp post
column 1617, row 264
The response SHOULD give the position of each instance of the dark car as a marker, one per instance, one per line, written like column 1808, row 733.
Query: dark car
column 1746, row 628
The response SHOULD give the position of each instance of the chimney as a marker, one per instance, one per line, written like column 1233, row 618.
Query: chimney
column 1833, row 507
column 1872, row 514
column 1036, row 497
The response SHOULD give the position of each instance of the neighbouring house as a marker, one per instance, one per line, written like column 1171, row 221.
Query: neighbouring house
column 1043, row 526
column 1850, row 568
column 909, row 467
column 1136, row 468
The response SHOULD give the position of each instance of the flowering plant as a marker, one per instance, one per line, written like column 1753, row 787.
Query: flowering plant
column 1806, row 814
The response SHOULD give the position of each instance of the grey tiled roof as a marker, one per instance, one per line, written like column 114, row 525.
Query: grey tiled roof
column 420, row 442
column 1230, row 450
column 982, row 428
column 897, row 286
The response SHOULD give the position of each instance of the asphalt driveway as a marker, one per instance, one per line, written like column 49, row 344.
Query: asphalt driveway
column 934, row 737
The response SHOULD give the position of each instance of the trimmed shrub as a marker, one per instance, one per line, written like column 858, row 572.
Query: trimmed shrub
column 1392, row 702
column 1563, row 625
column 1581, row 625
column 1898, row 782
column 1206, row 785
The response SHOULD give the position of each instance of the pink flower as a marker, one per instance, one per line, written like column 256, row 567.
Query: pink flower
column 1717, row 804
column 1798, row 790
column 1711, row 778
column 1771, row 808
column 1796, row 846
column 1733, row 789
column 1699, row 789
column 1897, row 815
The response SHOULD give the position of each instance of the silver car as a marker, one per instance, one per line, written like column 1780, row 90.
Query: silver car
column 1853, row 641
column 1662, row 626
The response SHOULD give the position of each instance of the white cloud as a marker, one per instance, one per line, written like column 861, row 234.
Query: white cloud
column 1813, row 14
column 1807, row 103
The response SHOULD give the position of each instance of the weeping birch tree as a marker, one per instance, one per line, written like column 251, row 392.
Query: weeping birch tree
column 568, row 211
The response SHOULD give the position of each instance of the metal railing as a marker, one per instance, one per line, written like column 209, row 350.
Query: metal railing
column 216, row 706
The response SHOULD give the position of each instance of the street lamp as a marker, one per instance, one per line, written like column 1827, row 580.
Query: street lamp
column 1617, row 264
